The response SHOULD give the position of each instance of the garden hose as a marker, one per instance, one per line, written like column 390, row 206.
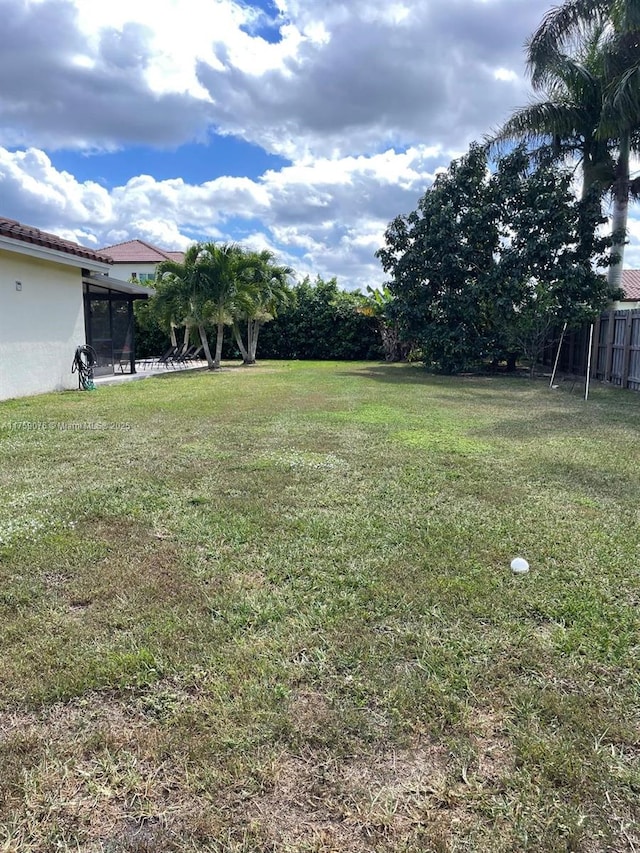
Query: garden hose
column 84, row 361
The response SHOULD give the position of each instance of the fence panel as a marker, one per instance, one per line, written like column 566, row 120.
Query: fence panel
column 615, row 353
column 616, row 375
column 633, row 380
column 601, row 354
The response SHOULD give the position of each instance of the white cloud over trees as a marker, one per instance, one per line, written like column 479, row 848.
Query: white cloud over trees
column 366, row 100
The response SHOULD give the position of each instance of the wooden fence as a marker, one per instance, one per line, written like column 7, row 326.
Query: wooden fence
column 615, row 354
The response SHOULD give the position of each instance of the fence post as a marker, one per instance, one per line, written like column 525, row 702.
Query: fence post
column 588, row 371
column 596, row 349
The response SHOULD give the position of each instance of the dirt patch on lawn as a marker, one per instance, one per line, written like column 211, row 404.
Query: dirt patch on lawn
column 91, row 775
column 337, row 805
column 132, row 564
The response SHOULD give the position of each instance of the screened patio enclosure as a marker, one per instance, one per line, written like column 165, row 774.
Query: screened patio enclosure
column 109, row 322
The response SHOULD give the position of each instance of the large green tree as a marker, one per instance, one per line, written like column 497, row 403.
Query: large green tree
column 485, row 263
column 440, row 258
column 548, row 248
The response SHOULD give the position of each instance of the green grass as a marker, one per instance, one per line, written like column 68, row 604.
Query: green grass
column 275, row 613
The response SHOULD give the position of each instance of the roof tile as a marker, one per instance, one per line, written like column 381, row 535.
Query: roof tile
column 28, row 234
column 631, row 284
column 139, row 252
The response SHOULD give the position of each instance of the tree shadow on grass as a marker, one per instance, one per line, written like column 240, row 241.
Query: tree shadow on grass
column 402, row 374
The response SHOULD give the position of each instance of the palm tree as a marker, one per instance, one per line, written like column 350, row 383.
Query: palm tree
column 227, row 265
column 184, row 288
column 264, row 290
column 378, row 304
column 168, row 309
column 615, row 24
column 565, row 125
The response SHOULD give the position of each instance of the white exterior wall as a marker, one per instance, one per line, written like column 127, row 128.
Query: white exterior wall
column 627, row 305
column 40, row 325
column 123, row 271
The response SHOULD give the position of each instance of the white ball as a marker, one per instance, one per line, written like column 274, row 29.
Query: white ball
column 519, row 566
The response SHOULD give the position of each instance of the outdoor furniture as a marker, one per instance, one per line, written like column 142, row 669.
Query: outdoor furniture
column 165, row 360
column 192, row 354
column 169, row 357
column 124, row 361
column 174, row 357
column 184, row 354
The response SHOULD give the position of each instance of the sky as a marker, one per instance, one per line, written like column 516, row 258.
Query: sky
column 301, row 126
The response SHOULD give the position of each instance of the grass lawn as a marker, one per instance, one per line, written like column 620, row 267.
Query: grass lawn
column 275, row 613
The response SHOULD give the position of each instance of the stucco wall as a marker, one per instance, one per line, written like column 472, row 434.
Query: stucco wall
column 627, row 305
column 40, row 325
column 123, row 271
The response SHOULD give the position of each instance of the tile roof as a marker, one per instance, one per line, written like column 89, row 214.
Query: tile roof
column 27, row 234
column 139, row 252
column 631, row 284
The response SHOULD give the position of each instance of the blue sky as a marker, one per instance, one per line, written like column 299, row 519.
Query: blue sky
column 293, row 125
column 194, row 162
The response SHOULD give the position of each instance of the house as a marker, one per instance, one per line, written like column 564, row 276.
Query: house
column 631, row 288
column 56, row 295
column 137, row 260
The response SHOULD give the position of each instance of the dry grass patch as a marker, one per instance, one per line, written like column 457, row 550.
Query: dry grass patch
column 379, row 800
column 87, row 773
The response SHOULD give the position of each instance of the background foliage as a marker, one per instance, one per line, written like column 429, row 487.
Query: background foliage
column 487, row 263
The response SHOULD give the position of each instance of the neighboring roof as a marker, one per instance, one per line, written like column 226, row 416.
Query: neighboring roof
column 631, row 284
column 27, row 234
column 139, row 252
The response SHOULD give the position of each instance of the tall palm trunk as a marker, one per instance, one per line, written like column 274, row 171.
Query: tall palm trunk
column 205, row 345
column 219, row 337
column 255, row 331
column 240, row 342
column 620, row 212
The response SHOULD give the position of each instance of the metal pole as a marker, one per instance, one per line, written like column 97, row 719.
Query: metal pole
column 555, row 365
column 586, row 387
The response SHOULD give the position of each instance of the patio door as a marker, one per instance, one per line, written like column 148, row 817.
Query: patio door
column 109, row 328
column 99, row 333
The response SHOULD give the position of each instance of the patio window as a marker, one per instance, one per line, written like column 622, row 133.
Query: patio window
column 109, row 328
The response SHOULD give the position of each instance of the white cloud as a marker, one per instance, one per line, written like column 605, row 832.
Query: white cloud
column 325, row 218
column 367, row 99
column 342, row 78
column 505, row 74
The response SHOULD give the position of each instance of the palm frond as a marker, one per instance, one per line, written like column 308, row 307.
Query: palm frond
column 564, row 29
column 539, row 123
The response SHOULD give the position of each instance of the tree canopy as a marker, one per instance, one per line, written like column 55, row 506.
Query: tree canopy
column 585, row 58
column 220, row 285
column 486, row 261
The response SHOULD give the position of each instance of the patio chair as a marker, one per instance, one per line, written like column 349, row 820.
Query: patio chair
column 192, row 354
column 169, row 358
column 156, row 360
column 185, row 354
